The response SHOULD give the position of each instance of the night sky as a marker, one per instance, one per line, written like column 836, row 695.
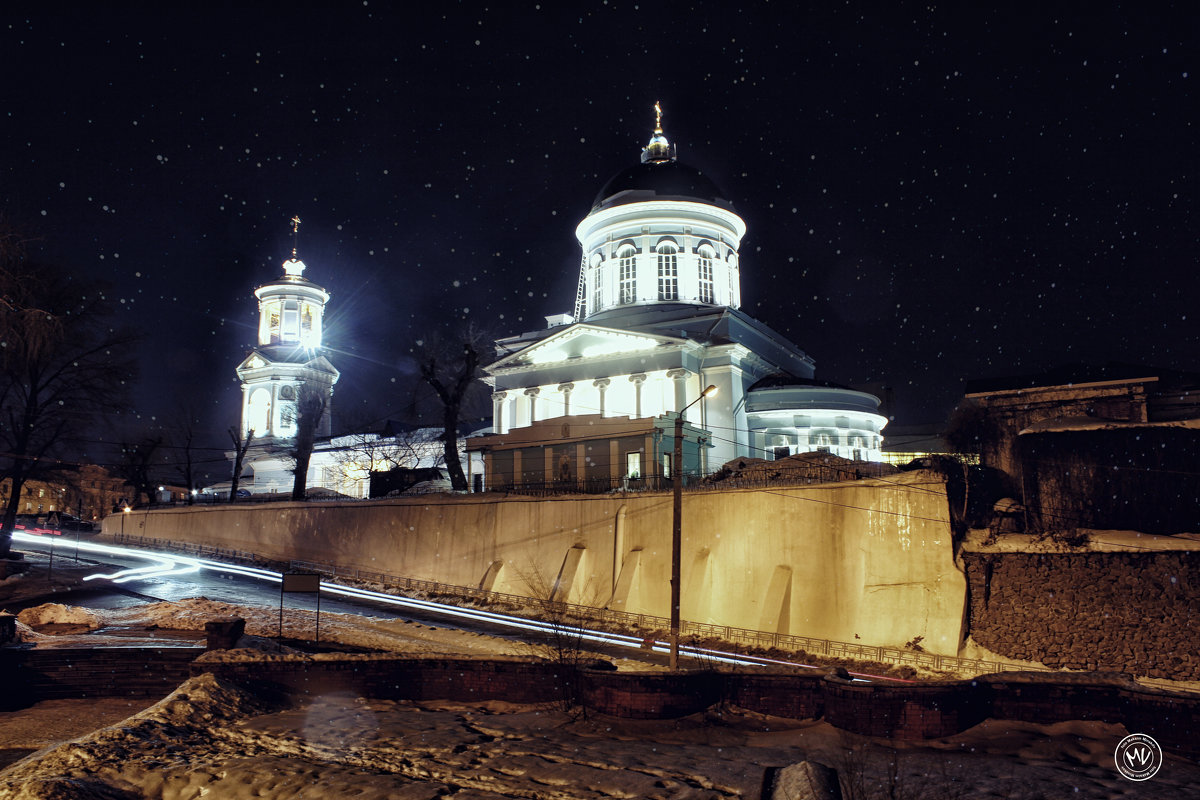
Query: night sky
column 932, row 194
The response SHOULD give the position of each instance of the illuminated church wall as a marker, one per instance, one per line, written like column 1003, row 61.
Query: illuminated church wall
column 693, row 245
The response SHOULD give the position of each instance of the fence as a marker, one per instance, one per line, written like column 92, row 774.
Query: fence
column 616, row 620
column 762, row 474
column 759, row 474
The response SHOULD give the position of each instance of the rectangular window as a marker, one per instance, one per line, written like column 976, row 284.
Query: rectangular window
column 633, row 465
column 628, row 280
column 706, row 280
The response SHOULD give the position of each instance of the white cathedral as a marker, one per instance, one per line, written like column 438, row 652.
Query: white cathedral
column 593, row 397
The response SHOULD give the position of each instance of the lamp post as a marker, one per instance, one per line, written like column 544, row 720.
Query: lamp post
column 676, row 523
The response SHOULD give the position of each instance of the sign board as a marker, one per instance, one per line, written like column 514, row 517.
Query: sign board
column 309, row 582
column 301, row 583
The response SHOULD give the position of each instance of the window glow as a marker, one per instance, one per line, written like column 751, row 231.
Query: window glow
column 628, row 278
column 706, row 277
column 668, row 273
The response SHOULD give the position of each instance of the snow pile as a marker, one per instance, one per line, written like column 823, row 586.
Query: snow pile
column 58, row 614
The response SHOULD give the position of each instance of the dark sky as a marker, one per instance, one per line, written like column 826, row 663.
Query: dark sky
column 932, row 194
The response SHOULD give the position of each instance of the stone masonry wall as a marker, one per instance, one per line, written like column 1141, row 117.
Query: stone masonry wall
column 1115, row 611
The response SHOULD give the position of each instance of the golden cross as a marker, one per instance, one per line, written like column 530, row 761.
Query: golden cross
column 295, row 233
column 657, row 118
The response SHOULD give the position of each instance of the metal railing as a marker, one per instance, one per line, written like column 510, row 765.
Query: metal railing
column 622, row 620
column 766, row 474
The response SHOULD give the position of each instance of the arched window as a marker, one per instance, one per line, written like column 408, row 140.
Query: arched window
column 731, row 269
column 596, row 288
column 668, row 272
column 258, row 412
column 706, row 274
column 627, row 275
column 595, row 293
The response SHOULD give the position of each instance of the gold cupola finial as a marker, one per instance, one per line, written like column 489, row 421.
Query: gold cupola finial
column 295, row 233
column 659, row 150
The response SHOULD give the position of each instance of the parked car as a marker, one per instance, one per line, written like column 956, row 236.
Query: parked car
column 70, row 522
column 35, row 524
column 54, row 523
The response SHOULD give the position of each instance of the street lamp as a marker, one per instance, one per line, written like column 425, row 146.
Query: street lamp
column 676, row 524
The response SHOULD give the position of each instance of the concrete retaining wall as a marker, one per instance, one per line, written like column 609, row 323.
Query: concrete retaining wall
column 868, row 560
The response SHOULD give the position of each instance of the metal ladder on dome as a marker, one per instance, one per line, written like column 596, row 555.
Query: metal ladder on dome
column 581, row 293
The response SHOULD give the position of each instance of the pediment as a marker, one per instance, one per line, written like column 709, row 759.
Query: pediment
column 583, row 342
column 259, row 360
column 255, row 360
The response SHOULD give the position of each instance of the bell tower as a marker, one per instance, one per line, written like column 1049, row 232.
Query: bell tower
column 288, row 357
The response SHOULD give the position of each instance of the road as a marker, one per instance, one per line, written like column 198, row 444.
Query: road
column 144, row 576
column 139, row 576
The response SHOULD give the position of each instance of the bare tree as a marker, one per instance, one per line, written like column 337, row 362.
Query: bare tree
column 63, row 367
column 452, row 371
column 359, row 455
column 240, row 445
column 311, row 401
column 562, row 641
column 185, row 463
column 137, row 467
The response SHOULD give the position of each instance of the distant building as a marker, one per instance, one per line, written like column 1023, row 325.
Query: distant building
column 88, row 491
column 1114, row 392
column 1111, row 447
column 656, row 321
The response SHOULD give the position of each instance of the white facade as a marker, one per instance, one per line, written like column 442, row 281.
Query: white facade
column 287, row 355
column 807, row 417
column 656, row 321
column 659, row 252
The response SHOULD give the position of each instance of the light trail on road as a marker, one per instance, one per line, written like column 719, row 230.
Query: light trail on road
column 167, row 564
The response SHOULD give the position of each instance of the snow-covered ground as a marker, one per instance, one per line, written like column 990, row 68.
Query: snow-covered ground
column 210, row 739
column 214, row 740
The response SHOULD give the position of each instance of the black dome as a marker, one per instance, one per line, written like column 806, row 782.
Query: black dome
column 659, row 180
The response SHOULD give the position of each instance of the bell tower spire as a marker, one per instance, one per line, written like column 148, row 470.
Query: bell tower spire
column 288, row 353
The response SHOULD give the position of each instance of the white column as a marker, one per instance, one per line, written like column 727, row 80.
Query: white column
column 498, row 411
column 680, row 377
column 637, row 381
column 566, row 389
column 532, row 395
column 601, row 384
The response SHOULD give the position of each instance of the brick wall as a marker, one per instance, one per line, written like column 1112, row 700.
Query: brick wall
column 1112, row 612
column 33, row 675
column 888, row 710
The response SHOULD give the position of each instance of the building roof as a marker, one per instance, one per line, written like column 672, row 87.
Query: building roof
column 1078, row 374
column 659, row 180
